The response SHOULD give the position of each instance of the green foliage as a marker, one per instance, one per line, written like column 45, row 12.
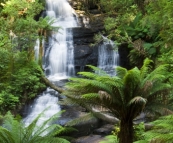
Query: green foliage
column 139, row 130
column 116, row 130
column 110, row 139
column 161, row 132
column 8, row 101
column 20, row 80
column 84, row 118
column 14, row 131
column 130, row 21
column 20, row 76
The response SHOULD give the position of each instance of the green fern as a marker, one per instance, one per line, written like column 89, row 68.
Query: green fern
column 14, row 131
column 84, row 118
column 162, row 132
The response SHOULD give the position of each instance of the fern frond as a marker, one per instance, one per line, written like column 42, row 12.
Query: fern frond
column 89, row 75
column 90, row 96
column 160, row 73
column 5, row 136
column 87, row 85
column 146, row 68
column 159, row 87
column 121, row 72
column 64, row 130
column 131, row 81
column 138, row 99
column 97, row 70
column 162, row 130
column 52, row 140
column 82, row 119
column 44, row 128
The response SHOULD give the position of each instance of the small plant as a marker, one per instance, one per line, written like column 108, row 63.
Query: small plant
column 139, row 130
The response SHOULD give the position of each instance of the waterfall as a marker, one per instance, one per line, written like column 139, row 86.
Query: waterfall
column 58, row 57
column 108, row 58
column 60, row 49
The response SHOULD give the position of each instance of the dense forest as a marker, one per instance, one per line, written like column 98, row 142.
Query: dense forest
column 143, row 26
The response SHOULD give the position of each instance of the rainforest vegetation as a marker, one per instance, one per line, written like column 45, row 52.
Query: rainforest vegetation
column 143, row 26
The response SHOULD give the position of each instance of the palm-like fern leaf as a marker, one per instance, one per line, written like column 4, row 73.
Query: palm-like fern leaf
column 146, row 68
column 97, row 70
column 5, row 136
column 121, row 72
column 82, row 119
column 14, row 131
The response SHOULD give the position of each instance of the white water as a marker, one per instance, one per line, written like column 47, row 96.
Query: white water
column 59, row 55
column 45, row 101
column 61, row 52
column 108, row 58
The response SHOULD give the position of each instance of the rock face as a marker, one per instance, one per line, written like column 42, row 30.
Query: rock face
column 89, row 25
column 123, row 51
column 84, row 54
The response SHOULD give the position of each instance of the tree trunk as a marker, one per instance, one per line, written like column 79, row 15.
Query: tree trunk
column 126, row 131
column 48, row 83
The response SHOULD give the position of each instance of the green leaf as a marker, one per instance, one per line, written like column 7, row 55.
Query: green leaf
column 147, row 46
column 152, row 51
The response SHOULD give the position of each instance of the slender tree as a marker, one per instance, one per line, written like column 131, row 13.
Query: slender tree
column 123, row 96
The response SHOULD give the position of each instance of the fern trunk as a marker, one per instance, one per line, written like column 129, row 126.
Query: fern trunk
column 126, row 131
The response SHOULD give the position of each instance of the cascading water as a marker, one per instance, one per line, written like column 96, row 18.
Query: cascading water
column 60, row 51
column 108, row 58
column 58, row 57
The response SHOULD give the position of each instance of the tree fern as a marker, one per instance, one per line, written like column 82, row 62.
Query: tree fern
column 125, row 96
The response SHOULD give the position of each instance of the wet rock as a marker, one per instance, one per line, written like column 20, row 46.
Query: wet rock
column 85, row 55
column 104, row 130
column 83, row 128
column 123, row 55
column 81, row 32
